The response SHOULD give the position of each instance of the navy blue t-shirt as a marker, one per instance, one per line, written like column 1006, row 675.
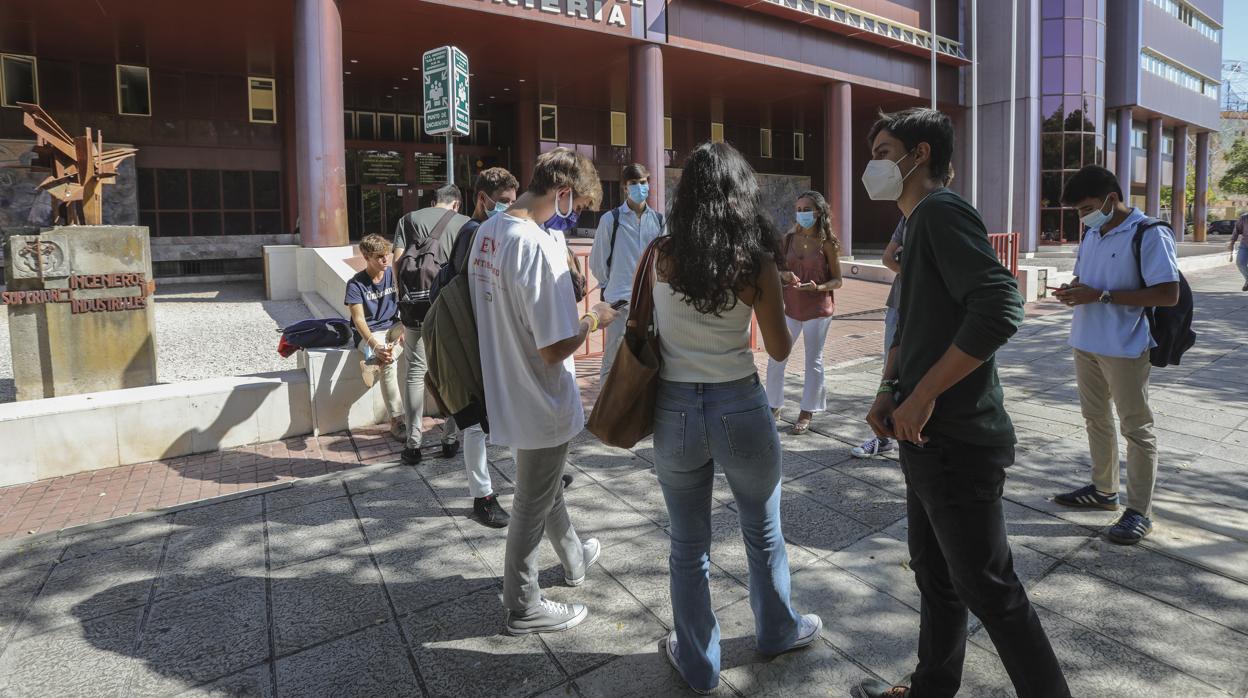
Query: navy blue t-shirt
column 380, row 301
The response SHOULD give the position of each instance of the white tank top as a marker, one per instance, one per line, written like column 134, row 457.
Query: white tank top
column 701, row 348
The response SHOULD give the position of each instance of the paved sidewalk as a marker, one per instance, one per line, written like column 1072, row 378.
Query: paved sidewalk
column 91, row 497
column 375, row 582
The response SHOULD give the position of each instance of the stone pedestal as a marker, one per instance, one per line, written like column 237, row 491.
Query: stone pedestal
column 80, row 310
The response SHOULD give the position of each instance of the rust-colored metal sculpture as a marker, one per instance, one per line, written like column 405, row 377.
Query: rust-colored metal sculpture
column 80, row 167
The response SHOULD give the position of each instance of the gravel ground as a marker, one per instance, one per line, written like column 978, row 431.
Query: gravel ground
column 203, row 331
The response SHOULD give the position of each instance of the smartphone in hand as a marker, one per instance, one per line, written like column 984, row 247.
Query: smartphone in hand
column 618, row 304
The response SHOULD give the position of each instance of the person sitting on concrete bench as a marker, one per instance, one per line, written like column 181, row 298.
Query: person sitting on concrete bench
column 374, row 302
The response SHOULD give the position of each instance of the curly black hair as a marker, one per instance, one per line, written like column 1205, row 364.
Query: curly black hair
column 719, row 236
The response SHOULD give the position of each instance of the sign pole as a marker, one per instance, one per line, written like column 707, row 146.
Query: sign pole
column 450, row 159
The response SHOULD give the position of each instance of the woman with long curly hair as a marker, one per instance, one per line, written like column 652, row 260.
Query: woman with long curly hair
column 718, row 265
column 812, row 257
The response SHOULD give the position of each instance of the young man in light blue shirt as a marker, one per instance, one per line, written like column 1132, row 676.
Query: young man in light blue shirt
column 1111, row 339
column 622, row 236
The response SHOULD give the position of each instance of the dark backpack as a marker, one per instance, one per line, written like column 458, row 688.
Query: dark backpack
column 1171, row 327
column 418, row 267
column 328, row 333
column 615, row 228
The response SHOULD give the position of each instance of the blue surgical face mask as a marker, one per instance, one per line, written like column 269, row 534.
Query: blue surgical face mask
column 498, row 208
column 638, row 193
column 1098, row 218
column 806, row 219
column 562, row 221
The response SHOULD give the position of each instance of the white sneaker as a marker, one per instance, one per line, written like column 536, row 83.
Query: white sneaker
column 592, row 550
column 548, row 617
column 671, row 650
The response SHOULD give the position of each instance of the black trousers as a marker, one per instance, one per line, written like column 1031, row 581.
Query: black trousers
column 961, row 561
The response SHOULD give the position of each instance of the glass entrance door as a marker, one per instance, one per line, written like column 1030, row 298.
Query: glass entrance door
column 381, row 207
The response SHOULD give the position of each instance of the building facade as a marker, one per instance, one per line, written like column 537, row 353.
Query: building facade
column 256, row 122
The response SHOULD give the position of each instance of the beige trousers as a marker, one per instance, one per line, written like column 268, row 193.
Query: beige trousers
column 389, row 372
column 1103, row 379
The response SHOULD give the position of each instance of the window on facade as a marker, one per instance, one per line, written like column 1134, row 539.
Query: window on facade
column 387, row 127
column 19, row 79
column 717, row 132
column 134, row 93
column 482, row 132
column 407, row 128
column 366, row 126
column 1162, row 67
column 764, row 142
column 799, row 146
column 348, row 125
column 667, row 133
column 178, row 203
column 619, row 128
column 262, row 100
column 548, row 122
column 1188, row 15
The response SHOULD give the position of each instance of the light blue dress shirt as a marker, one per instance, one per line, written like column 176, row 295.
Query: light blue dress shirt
column 630, row 241
column 1107, row 262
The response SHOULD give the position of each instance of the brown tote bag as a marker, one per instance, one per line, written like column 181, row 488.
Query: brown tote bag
column 624, row 412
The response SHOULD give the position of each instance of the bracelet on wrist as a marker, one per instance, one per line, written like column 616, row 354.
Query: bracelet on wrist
column 593, row 321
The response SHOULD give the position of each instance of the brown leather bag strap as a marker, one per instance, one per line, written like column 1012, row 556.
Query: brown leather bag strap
column 641, row 304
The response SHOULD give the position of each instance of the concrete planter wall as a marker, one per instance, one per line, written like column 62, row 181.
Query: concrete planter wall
column 65, row 435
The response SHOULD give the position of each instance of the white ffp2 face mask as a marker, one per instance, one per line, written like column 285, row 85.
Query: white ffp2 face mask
column 883, row 179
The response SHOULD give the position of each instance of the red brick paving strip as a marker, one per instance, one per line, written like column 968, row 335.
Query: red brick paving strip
column 74, row 500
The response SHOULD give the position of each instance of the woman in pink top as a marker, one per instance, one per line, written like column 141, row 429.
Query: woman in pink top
column 812, row 254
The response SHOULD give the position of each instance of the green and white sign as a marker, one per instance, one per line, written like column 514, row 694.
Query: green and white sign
column 445, row 73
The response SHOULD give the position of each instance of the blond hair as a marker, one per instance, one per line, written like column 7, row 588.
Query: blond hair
column 374, row 244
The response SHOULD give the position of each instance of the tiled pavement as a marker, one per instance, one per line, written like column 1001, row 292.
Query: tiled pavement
column 374, row 582
column 91, row 497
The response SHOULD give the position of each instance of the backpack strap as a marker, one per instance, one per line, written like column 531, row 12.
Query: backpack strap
column 615, row 228
column 440, row 228
column 1137, row 242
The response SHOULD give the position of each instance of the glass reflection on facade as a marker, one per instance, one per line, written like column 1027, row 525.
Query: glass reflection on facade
column 1072, row 106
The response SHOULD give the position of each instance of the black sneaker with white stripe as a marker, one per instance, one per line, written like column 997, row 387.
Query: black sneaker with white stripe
column 1130, row 529
column 1088, row 498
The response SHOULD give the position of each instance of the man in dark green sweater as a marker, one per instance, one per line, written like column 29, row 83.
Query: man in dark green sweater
column 940, row 398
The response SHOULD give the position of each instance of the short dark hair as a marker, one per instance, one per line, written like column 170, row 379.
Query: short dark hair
column 447, row 194
column 920, row 125
column 1092, row 182
column 634, row 171
column 495, row 180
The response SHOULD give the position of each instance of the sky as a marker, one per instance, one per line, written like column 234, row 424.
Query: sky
column 1235, row 30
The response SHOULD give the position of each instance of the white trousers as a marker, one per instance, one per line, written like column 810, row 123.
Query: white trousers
column 814, row 395
column 476, row 464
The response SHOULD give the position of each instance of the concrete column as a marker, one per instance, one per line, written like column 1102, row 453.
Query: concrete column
column 645, row 117
column 1178, row 196
column 1123, row 148
column 1152, row 187
column 838, row 160
column 527, row 136
column 1200, row 209
column 319, row 140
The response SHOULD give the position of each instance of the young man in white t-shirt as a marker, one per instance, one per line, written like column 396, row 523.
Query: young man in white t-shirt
column 528, row 330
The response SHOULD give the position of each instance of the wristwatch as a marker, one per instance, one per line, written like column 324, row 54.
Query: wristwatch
column 1106, row 298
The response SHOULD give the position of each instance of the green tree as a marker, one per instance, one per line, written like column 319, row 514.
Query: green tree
column 1235, row 180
